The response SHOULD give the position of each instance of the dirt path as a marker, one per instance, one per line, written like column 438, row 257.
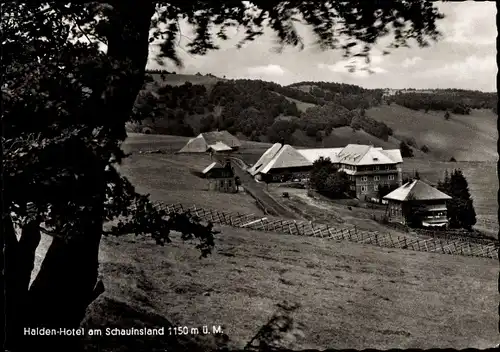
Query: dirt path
column 257, row 190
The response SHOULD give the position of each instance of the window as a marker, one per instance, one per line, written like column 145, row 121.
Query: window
column 364, row 178
column 363, row 189
column 375, row 188
column 376, row 178
column 377, row 168
column 229, row 183
column 391, row 177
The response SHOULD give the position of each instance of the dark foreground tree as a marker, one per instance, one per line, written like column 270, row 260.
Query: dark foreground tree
column 65, row 105
column 461, row 212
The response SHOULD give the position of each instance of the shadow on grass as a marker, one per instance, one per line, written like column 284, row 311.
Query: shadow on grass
column 107, row 313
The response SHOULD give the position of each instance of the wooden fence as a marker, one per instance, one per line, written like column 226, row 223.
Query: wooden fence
column 455, row 246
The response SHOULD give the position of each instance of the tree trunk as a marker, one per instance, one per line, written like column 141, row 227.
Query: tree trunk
column 68, row 279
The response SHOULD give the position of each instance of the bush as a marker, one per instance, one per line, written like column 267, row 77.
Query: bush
column 411, row 142
column 452, row 159
column 424, row 149
column 406, row 151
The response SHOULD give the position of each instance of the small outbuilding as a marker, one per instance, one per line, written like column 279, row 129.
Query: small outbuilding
column 419, row 201
column 221, row 178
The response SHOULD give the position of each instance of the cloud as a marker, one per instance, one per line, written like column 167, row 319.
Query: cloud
column 352, row 68
column 267, row 70
column 469, row 22
column 411, row 61
column 463, row 58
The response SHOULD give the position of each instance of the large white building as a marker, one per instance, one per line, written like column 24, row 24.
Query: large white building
column 368, row 167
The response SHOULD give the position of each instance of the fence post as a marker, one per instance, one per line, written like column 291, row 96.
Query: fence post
column 442, row 248
column 376, row 238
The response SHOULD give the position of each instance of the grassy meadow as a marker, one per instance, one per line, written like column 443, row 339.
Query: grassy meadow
column 168, row 178
column 350, row 295
column 465, row 137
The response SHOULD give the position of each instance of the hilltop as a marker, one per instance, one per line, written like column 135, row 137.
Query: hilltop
column 322, row 114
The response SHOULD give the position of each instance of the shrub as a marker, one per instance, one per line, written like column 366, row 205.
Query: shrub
column 406, row 151
column 424, row 149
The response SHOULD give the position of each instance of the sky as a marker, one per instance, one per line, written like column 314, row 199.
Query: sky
column 465, row 57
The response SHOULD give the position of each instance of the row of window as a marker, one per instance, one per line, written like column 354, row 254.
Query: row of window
column 364, row 189
column 376, row 178
column 229, row 183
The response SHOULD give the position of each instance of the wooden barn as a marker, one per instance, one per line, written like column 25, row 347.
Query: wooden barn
column 415, row 194
column 221, row 178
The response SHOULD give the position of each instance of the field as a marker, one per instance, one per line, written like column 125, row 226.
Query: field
column 466, row 138
column 351, row 296
column 148, row 170
column 167, row 177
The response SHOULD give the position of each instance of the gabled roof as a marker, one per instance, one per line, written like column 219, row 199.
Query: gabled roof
column 419, row 190
column 219, row 147
column 265, row 159
column 286, row 157
column 394, row 154
column 314, row 154
column 357, row 154
column 211, row 166
column 353, row 153
column 221, row 136
column 195, row 145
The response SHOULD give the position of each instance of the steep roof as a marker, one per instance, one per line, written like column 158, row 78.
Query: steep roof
column 195, row 145
column 314, row 154
column 286, row 157
column 353, row 153
column 265, row 159
column 221, row 136
column 357, row 154
column 420, row 191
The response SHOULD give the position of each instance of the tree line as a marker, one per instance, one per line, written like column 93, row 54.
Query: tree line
column 455, row 101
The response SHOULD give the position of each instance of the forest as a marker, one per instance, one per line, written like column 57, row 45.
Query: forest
column 267, row 111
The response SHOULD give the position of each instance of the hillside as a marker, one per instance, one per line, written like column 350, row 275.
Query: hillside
column 350, row 295
column 321, row 114
column 465, row 137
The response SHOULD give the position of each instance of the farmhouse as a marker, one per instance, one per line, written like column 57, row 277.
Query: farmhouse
column 221, row 178
column 368, row 167
column 430, row 201
column 216, row 141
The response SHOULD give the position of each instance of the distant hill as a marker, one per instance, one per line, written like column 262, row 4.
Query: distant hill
column 322, row 114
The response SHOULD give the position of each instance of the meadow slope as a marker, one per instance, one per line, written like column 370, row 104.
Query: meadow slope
column 465, row 137
column 351, row 295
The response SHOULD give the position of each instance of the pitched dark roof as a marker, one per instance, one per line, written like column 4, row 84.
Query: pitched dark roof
column 419, row 190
